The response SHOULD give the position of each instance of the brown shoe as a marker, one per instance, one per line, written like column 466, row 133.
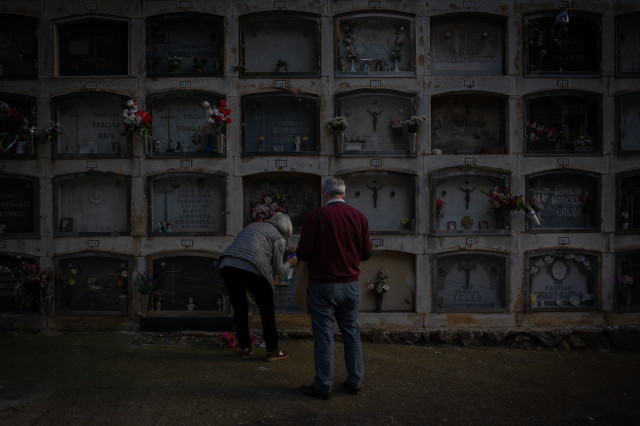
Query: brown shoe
column 353, row 391
column 246, row 353
column 276, row 355
column 311, row 391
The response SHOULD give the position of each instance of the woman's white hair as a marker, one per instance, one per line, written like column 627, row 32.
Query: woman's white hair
column 282, row 222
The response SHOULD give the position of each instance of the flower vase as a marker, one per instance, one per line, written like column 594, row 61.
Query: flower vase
column 533, row 218
column 413, row 143
column 378, row 297
column 353, row 66
column 220, row 139
column 340, row 143
column 209, row 143
column 144, row 307
column 396, row 69
column 146, row 143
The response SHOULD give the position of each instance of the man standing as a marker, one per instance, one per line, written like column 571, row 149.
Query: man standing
column 334, row 239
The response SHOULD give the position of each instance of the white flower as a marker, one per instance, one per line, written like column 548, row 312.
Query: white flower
column 129, row 103
column 206, row 106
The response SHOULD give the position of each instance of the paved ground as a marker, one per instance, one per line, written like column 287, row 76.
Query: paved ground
column 186, row 379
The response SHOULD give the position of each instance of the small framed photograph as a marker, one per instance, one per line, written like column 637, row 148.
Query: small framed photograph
column 21, row 147
column 451, row 225
column 483, row 224
column 66, row 224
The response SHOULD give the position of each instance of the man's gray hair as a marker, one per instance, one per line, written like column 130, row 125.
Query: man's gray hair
column 282, row 222
column 333, row 186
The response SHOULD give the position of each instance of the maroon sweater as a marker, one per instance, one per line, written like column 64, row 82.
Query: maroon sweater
column 334, row 239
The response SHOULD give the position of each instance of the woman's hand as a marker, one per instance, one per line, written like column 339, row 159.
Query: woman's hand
column 293, row 259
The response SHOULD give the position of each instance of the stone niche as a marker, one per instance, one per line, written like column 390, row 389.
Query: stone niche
column 92, row 203
column 178, row 120
column 562, row 280
column 16, row 142
column 185, row 44
column 295, row 193
column 627, row 296
column 277, row 123
column 13, row 295
column 374, row 44
column 468, row 124
column 400, row 268
column 92, row 282
column 19, row 206
column 187, row 203
column 184, row 280
column 628, row 114
column 628, row 45
column 628, row 202
column 470, row 282
column 263, row 36
column 91, row 125
column 93, row 47
column 565, row 122
column 562, row 43
column 369, row 114
column 385, row 198
column 459, row 204
column 18, row 47
column 565, row 201
column 464, row 44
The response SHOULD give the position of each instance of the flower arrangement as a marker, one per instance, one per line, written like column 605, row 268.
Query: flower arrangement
column 136, row 121
column 404, row 221
column 33, row 284
column 396, row 125
column 338, row 125
column 396, row 53
column 349, row 44
column 589, row 203
column 501, row 200
column 164, row 227
column 121, row 275
column 53, row 130
column 625, row 283
column 439, row 205
column 227, row 340
column 540, row 133
column 535, row 204
column 145, row 283
column 200, row 63
column 174, row 62
column 282, row 65
column 267, row 206
column 10, row 119
column 217, row 117
column 624, row 217
column 380, row 284
column 414, row 123
column 69, row 276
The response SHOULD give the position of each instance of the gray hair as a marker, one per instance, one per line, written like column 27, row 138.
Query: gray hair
column 334, row 186
column 282, row 222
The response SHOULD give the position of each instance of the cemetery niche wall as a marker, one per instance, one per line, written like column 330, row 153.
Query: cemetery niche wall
column 464, row 44
column 17, row 124
column 279, row 123
column 92, row 283
column 185, row 44
column 566, row 201
column 626, row 294
column 187, row 203
column 560, row 279
column 188, row 283
column 92, row 126
column 399, row 269
column 92, row 203
column 94, row 46
column 563, row 122
column 179, row 125
column 18, row 47
column 459, row 202
column 628, row 45
column 262, row 36
column 374, row 44
column 370, row 115
column 19, row 207
column 295, row 194
column 562, row 42
column 470, row 282
column 468, row 123
column 13, row 296
column 386, row 198
column 628, row 202
column 628, row 128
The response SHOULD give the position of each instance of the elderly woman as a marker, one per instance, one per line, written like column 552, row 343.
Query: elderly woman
column 251, row 263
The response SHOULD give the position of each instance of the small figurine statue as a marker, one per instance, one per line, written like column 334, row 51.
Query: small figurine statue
column 190, row 305
column 297, row 142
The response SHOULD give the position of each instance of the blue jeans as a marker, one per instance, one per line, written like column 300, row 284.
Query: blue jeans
column 339, row 300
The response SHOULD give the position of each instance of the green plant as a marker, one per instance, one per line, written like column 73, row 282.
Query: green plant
column 145, row 283
column 404, row 221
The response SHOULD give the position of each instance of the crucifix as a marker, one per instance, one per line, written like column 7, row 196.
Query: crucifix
column 172, row 275
column 375, row 117
column 375, row 193
column 168, row 43
column 467, row 195
column 168, row 117
column 467, row 266
column 76, row 115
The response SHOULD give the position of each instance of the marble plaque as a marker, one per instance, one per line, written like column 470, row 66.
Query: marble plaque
column 91, row 283
column 563, row 280
column 375, row 45
column 369, row 116
column 466, row 45
column 187, row 203
column 91, row 125
column 265, row 37
column 470, row 282
column 92, row 203
column 9, row 293
column 629, row 115
column 628, row 43
column 18, row 46
column 186, row 44
column 93, row 47
column 385, row 198
column 557, row 47
column 180, row 278
column 565, row 201
column 18, row 206
column 279, row 123
column 468, row 124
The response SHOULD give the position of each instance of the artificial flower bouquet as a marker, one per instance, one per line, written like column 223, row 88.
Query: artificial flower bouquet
column 380, row 284
column 217, row 117
column 338, row 125
column 136, row 121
